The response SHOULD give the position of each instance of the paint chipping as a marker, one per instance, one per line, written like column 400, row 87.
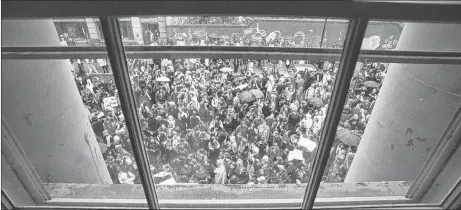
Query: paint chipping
column 410, row 142
column 421, row 140
column 27, row 118
column 409, row 131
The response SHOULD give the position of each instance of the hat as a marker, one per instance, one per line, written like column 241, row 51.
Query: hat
column 129, row 161
column 194, row 162
column 116, row 138
column 261, row 179
column 260, row 143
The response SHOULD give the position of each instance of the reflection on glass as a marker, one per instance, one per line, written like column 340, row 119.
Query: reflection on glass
column 381, row 35
column 334, row 33
column 231, row 121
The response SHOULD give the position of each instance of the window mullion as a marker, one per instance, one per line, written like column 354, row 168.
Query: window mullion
column 116, row 52
column 350, row 54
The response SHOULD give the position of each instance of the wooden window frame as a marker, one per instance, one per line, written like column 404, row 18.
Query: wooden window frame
column 435, row 167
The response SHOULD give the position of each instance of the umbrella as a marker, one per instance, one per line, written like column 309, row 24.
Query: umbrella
column 241, row 87
column 258, row 93
column 287, row 75
column 162, row 79
column 180, row 75
column 371, row 84
column 225, row 69
column 303, row 67
column 348, row 137
column 239, row 78
column 316, row 102
column 247, row 96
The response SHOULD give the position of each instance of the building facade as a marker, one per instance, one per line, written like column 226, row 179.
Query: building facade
column 88, row 31
column 146, row 30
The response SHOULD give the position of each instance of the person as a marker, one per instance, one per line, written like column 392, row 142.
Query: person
column 220, row 172
column 103, row 64
column 126, row 177
column 90, row 86
column 200, row 117
column 98, row 128
column 63, row 41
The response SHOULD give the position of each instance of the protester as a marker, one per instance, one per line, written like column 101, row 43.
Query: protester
column 227, row 121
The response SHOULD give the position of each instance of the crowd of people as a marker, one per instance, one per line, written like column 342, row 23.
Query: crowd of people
column 228, row 121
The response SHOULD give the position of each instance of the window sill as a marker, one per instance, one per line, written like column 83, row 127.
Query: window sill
column 330, row 195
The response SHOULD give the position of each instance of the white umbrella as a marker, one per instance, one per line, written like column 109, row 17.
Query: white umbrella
column 180, row 75
column 287, row 75
column 303, row 67
column 242, row 86
column 226, row 69
column 162, row 79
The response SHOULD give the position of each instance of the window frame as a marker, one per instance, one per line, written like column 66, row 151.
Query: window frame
column 442, row 154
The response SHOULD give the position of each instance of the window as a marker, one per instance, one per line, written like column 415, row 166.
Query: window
column 72, row 29
column 126, row 29
column 404, row 193
column 151, row 33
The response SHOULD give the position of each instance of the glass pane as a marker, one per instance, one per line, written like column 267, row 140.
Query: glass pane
column 395, row 113
column 238, row 31
column 64, row 31
column 231, row 121
column 335, row 33
column 65, row 113
column 386, row 35
column 394, row 116
column 82, row 120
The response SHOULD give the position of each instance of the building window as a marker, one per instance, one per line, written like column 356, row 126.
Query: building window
column 190, row 72
column 72, row 30
column 150, row 32
column 127, row 30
